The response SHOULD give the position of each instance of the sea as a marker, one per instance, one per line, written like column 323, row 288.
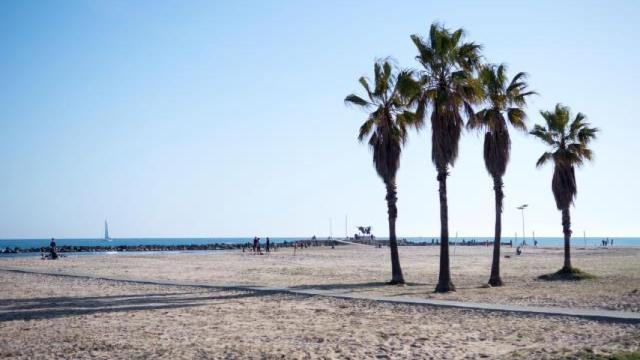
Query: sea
column 542, row 241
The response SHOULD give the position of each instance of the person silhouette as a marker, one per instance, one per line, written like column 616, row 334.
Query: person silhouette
column 52, row 249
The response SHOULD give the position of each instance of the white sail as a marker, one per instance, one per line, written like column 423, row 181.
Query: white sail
column 106, row 231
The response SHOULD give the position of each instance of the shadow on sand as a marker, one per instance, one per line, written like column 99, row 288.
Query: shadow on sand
column 351, row 287
column 54, row 307
column 417, row 289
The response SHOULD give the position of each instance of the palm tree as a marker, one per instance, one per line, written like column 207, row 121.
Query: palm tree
column 505, row 100
column 386, row 129
column 569, row 148
column 448, row 88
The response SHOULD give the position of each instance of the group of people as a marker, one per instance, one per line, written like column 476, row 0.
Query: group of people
column 607, row 241
column 257, row 249
column 256, row 246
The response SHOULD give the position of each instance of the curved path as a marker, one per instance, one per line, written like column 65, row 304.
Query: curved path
column 592, row 314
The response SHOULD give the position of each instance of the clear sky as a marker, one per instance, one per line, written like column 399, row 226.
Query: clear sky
column 204, row 118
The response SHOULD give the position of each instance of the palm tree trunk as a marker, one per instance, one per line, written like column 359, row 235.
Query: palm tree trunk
column 392, row 199
column 444, row 279
column 566, row 229
column 494, row 279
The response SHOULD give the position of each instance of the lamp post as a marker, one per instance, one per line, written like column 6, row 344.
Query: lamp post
column 533, row 234
column 346, row 223
column 521, row 208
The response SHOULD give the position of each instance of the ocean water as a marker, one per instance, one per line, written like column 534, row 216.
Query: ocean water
column 542, row 241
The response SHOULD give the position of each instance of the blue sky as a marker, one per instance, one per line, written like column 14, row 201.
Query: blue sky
column 202, row 118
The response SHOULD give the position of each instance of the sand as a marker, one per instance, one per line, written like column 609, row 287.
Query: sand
column 364, row 269
column 52, row 317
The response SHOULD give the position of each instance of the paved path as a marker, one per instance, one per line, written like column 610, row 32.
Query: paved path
column 352, row 243
column 592, row 314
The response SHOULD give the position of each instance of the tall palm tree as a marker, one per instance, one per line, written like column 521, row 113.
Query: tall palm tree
column 505, row 100
column 448, row 89
column 386, row 130
column 569, row 142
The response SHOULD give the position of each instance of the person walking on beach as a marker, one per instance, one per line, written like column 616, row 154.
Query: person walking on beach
column 267, row 245
column 52, row 248
column 255, row 244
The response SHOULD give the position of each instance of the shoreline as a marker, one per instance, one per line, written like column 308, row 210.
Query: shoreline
column 69, row 250
column 66, row 249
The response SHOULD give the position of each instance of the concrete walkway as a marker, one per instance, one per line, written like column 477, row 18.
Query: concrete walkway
column 351, row 243
column 591, row 314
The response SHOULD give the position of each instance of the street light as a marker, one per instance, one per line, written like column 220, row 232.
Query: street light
column 521, row 208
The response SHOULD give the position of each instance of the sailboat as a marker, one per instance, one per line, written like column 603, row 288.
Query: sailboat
column 106, row 231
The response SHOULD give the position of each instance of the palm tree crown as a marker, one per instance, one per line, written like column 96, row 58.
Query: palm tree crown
column 389, row 119
column 447, row 86
column 502, row 97
column 569, row 142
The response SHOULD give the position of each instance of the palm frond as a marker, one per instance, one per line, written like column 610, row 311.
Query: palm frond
column 470, row 113
column 520, row 98
column 421, row 111
column 543, row 134
column 561, row 118
column 478, row 120
column 408, row 88
column 365, row 129
column 549, row 118
column 544, row 159
column 407, row 119
column 519, row 78
column 386, row 126
column 517, row 118
column 365, row 84
column 469, row 56
column 379, row 86
column 353, row 99
column 586, row 134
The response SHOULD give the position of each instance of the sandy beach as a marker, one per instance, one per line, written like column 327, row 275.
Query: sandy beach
column 364, row 269
column 56, row 317
column 66, row 317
